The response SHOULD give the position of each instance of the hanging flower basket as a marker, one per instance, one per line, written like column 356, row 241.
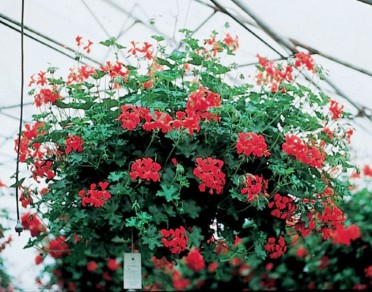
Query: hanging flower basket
column 162, row 155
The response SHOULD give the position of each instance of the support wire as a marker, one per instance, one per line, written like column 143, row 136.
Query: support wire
column 19, row 227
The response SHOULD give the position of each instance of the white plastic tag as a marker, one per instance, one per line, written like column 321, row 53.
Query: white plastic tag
column 132, row 271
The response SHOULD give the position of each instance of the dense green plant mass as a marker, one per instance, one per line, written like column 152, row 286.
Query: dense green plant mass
column 345, row 262
column 166, row 157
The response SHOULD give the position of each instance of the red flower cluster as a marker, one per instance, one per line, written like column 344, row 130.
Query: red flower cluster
column 255, row 185
column 58, row 247
column 213, row 267
column 272, row 73
column 131, row 116
column 197, row 107
column 25, row 197
column 344, row 235
column 212, row 45
column 328, row 132
column 189, row 121
column 160, row 120
column 87, row 47
column 200, row 101
column 115, row 70
column 95, row 197
column 175, row 240
column 79, row 43
column 92, row 266
column 32, row 222
column 367, row 170
column 251, row 143
column 303, row 58
column 78, row 40
column 332, row 217
column 162, row 263
column 80, row 74
column 195, row 260
column 282, row 206
column 45, row 96
column 74, row 143
column 39, row 151
column 324, row 223
column 42, row 168
column 348, row 135
column 38, row 259
column 305, row 228
column 209, row 172
column 145, row 168
column 275, row 248
column 146, row 50
column 41, row 80
column 336, row 109
column 310, row 155
column 232, row 43
column 179, row 282
column 112, row 264
column 302, row 252
column 30, row 133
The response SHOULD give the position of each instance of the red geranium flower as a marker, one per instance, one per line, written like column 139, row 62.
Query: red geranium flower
column 145, row 168
column 112, row 264
column 335, row 109
column 92, row 266
column 94, row 197
column 251, row 143
column 74, row 143
column 255, row 185
column 195, row 260
column 175, row 240
column 303, row 58
column 32, row 222
column 275, row 248
column 58, row 247
column 209, row 172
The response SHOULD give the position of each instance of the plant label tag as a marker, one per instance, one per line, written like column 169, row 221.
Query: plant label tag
column 132, row 271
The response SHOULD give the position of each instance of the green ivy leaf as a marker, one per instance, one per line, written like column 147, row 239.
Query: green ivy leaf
column 158, row 214
column 152, row 237
column 190, row 209
column 117, row 175
column 258, row 245
column 170, row 193
column 194, row 237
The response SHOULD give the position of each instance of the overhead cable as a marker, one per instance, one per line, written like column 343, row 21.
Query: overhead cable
column 13, row 24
